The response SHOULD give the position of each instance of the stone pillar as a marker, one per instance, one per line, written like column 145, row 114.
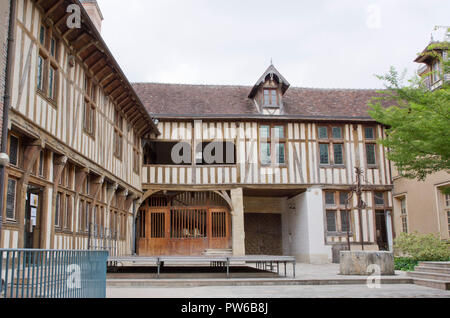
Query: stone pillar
column 390, row 236
column 237, row 222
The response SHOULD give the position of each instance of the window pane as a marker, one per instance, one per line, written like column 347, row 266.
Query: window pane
column 324, row 154
column 405, row 225
column 274, row 97
column 369, row 133
column 279, row 132
column 280, row 153
column 51, row 78
column 337, row 132
column 11, row 199
column 370, row 154
column 264, row 132
column 13, row 150
column 379, row 198
column 345, row 221
column 403, row 206
column 338, row 155
column 40, row 73
column 447, row 200
column 331, row 221
column 323, row 132
column 265, row 153
column 329, row 198
column 266, row 97
column 343, row 197
column 42, row 35
column 58, row 204
column 53, row 47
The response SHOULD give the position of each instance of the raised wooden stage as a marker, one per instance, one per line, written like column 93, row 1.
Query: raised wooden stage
column 265, row 262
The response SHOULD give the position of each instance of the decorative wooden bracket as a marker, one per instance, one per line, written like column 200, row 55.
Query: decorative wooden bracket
column 122, row 195
column 110, row 193
column 97, row 186
column 29, row 158
column 129, row 200
column 80, row 178
column 58, row 167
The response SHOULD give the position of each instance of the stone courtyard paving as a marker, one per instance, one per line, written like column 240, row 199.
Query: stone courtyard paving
column 303, row 271
column 340, row 291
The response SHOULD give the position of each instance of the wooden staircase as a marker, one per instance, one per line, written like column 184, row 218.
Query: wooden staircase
column 432, row 274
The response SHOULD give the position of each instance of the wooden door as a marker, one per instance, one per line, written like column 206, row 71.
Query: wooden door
column 219, row 225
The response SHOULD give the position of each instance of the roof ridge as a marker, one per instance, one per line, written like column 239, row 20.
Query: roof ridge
column 249, row 86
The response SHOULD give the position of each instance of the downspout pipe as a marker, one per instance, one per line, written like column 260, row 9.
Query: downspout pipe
column 4, row 159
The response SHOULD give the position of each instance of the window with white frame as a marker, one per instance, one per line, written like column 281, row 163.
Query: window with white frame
column 404, row 215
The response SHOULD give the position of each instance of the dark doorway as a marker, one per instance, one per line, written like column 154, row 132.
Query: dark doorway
column 381, row 230
column 263, row 234
column 33, row 218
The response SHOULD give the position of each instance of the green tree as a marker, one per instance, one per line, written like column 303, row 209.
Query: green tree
column 418, row 121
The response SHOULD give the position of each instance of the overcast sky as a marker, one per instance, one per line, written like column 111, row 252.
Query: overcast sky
column 322, row 44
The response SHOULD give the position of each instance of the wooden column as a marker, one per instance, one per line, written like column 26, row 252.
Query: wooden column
column 58, row 166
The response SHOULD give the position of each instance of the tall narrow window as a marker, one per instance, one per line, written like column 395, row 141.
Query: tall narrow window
column 41, row 163
column 404, row 215
column 118, row 137
column 345, row 221
column 324, row 154
column 436, row 71
column 371, row 155
column 53, row 47
column 331, row 221
column 42, row 35
column 40, row 73
column 51, row 82
column 338, row 154
column 13, row 150
column 11, row 200
column 58, row 206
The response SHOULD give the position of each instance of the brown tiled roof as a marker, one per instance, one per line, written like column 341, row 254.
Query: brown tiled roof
column 173, row 100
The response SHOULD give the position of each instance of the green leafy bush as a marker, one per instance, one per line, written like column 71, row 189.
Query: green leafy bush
column 421, row 247
column 406, row 264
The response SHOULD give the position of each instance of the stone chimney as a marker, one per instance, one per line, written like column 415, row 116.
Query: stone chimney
column 93, row 10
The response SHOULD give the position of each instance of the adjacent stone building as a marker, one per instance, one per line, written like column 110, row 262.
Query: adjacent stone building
column 422, row 206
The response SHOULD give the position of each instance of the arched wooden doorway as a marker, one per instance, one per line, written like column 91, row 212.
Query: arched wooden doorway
column 183, row 223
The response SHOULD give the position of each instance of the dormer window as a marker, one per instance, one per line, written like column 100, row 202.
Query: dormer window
column 267, row 94
column 270, row 97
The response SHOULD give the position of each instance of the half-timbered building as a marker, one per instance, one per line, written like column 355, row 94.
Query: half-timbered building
column 75, row 130
column 263, row 169
column 166, row 169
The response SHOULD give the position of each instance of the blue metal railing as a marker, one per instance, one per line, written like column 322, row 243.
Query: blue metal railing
column 30, row 273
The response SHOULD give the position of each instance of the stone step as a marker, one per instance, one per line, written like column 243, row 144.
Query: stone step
column 432, row 269
column 433, row 283
column 435, row 264
column 130, row 283
column 432, row 276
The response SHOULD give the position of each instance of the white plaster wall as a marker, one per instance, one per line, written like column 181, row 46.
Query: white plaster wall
column 303, row 228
